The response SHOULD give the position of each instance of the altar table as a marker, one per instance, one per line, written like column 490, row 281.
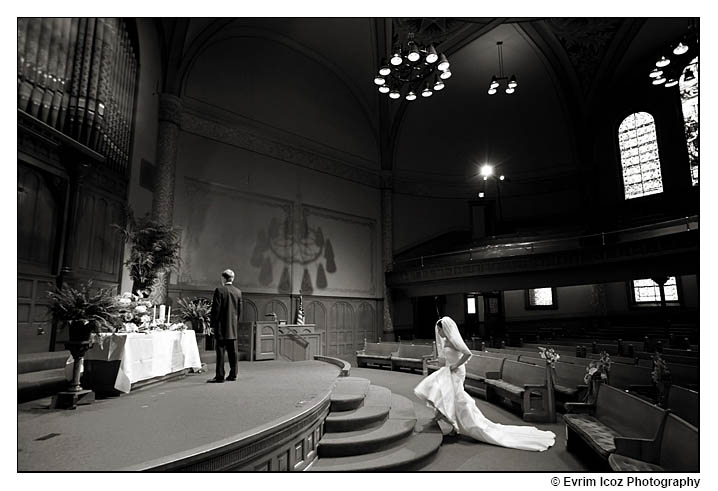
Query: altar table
column 143, row 356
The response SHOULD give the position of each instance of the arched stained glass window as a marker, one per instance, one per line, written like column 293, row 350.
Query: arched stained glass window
column 639, row 156
column 688, row 85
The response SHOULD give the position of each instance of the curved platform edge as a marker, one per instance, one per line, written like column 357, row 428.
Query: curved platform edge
column 288, row 443
column 344, row 366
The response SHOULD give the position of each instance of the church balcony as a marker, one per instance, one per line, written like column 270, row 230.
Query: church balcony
column 666, row 248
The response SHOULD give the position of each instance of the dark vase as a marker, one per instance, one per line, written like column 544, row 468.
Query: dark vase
column 209, row 342
column 79, row 331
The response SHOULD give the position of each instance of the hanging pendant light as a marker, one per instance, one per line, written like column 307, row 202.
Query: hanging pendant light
column 655, row 73
column 443, row 63
column 379, row 80
column 680, row 49
column 384, row 89
column 671, row 82
column 431, row 55
column 663, row 62
column 394, row 94
column 410, row 96
column 426, row 92
column 659, row 81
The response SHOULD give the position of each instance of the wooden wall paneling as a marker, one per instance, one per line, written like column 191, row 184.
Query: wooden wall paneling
column 249, row 310
column 278, row 307
column 316, row 313
column 366, row 325
column 342, row 329
column 33, row 319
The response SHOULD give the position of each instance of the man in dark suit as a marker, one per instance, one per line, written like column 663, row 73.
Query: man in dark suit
column 224, row 318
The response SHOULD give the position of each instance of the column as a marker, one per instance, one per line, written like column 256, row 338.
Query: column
column 170, row 119
column 387, row 242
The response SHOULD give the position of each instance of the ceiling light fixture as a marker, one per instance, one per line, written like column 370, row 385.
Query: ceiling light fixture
column 412, row 69
column 495, row 79
column 671, row 66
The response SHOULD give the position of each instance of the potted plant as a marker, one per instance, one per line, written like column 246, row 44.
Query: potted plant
column 196, row 311
column 154, row 251
column 83, row 312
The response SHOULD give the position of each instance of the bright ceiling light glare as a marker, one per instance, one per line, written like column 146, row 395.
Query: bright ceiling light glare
column 426, row 92
column 431, row 56
column 413, row 54
column 384, row 89
column 655, row 73
column 379, row 80
column 486, row 171
column 680, row 49
column 502, row 177
column 659, row 81
column 394, row 94
column 410, row 96
column 438, row 84
column 671, row 82
column 443, row 63
column 396, row 59
column 492, row 91
column 510, row 90
column 481, row 195
column 446, row 74
column 385, row 70
column 663, row 62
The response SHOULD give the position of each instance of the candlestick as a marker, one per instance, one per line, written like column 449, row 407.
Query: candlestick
column 154, row 313
column 162, row 313
column 169, row 309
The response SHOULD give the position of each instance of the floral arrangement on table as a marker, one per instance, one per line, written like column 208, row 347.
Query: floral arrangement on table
column 550, row 355
column 197, row 312
column 138, row 314
column 598, row 369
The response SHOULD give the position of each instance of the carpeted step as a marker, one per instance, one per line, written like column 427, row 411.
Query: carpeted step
column 43, row 383
column 365, row 441
column 355, row 419
column 405, row 454
column 38, row 362
column 349, row 393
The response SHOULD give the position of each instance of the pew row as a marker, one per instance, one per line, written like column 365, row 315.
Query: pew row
column 412, row 356
column 615, row 414
column 675, row 450
column 520, row 383
column 478, row 369
column 684, row 403
column 376, row 354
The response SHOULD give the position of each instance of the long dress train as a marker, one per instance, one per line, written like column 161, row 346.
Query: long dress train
column 443, row 390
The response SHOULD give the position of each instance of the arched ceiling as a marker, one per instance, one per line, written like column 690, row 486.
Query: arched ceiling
column 563, row 66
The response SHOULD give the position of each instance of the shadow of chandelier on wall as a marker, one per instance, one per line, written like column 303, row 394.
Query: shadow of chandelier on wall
column 293, row 242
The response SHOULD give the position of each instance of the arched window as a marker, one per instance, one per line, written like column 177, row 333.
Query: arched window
column 639, row 156
column 688, row 85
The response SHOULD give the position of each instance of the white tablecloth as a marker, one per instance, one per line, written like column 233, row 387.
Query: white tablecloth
column 144, row 356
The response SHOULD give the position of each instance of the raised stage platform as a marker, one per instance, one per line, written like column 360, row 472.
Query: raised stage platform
column 185, row 424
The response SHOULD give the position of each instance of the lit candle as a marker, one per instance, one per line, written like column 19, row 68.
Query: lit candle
column 162, row 313
column 169, row 309
column 154, row 313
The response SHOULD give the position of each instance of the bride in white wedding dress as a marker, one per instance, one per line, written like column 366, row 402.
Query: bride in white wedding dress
column 444, row 392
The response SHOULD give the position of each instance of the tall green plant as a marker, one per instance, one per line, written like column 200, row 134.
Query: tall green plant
column 154, row 249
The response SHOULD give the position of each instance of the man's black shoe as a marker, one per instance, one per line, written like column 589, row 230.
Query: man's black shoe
column 215, row 381
column 231, row 379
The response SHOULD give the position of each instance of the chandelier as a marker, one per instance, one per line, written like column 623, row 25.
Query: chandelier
column 496, row 79
column 672, row 65
column 413, row 69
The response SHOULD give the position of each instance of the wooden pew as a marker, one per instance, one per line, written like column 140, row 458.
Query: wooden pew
column 376, row 354
column 523, row 384
column 568, row 383
column 507, row 356
column 684, row 375
column 675, row 450
column 615, row 414
column 478, row 369
column 625, row 376
column 412, row 356
column 624, row 360
column 684, row 403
